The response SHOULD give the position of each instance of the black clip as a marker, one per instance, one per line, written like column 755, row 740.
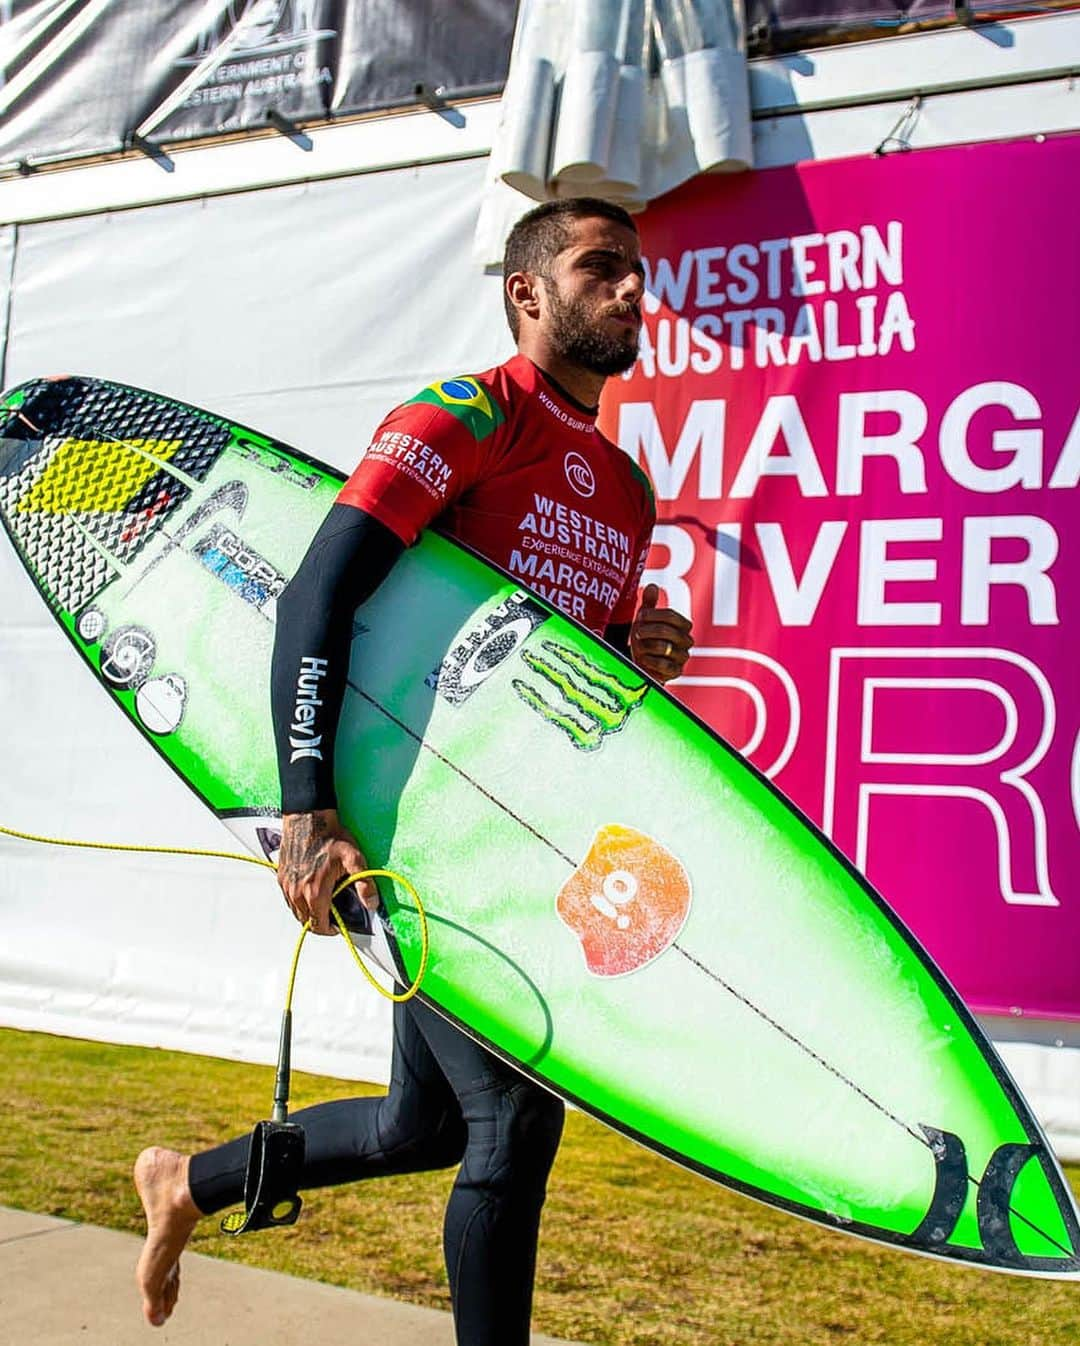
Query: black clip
column 431, row 97
column 288, row 129
column 435, row 100
column 135, row 141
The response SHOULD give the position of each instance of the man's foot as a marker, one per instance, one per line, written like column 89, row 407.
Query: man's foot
column 161, row 1180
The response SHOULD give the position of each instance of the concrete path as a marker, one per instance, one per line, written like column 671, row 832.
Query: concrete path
column 63, row 1283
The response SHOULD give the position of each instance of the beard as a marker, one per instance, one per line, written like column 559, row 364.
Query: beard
column 578, row 336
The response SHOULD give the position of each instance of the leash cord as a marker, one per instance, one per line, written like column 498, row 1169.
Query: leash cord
column 396, row 878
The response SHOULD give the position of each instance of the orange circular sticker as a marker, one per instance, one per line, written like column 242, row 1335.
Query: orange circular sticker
column 626, row 901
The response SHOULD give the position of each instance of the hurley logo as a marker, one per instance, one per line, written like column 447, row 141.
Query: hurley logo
column 303, row 738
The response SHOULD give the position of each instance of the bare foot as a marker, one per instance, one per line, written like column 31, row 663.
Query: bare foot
column 161, row 1180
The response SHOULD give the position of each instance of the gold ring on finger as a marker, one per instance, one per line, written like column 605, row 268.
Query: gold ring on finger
column 667, row 649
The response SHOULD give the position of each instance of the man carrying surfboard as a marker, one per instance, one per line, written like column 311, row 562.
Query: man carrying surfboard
column 510, row 462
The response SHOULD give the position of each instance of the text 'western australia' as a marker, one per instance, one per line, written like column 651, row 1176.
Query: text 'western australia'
column 805, row 298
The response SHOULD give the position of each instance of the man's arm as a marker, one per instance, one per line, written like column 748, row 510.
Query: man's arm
column 348, row 559
column 382, row 508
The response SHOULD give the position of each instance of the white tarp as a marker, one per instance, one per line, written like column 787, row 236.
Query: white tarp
column 8, row 234
column 305, row 311
column 622, row 99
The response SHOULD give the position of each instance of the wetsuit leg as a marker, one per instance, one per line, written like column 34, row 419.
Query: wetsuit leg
column 493, row 1217
column 417, row 1126
column 450, row 1100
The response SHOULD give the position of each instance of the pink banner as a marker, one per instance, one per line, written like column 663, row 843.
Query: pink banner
column 857, row 398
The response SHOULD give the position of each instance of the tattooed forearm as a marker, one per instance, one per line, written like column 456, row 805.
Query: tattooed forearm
column 306, row 845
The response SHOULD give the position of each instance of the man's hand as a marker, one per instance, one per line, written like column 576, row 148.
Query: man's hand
column 660, row 638
column 316, row 854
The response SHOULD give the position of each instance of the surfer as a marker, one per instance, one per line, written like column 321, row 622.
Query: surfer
column 510, row 462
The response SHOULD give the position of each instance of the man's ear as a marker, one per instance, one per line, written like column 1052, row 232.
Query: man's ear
column 524, row 291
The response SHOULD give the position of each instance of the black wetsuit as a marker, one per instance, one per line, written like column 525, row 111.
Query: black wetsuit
column 450, row 1102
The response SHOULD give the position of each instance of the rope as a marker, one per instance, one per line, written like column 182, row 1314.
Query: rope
column 396, row 878
column 119, row 846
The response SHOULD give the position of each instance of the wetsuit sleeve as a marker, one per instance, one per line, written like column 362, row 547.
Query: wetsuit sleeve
column 421, row 459
column 617, row 636
column 348, row 559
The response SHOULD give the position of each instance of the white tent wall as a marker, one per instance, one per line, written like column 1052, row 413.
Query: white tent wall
column 8, row 235
column 307, row 308
column 306, row 311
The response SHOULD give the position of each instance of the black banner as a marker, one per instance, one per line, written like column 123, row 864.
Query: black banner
column 85, row 77
column 777, row 26
column 780, row 25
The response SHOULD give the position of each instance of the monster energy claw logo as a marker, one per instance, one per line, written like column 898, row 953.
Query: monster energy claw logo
column 603, row 703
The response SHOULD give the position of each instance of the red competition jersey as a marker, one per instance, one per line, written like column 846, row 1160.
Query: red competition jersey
column 505, row 463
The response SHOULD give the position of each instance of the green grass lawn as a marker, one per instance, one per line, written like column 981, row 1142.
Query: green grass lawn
column 633, row 1249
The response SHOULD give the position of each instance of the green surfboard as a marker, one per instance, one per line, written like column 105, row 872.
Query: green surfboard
column 619, row 904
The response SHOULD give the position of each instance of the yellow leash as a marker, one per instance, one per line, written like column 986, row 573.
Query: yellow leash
column 398, row 879
column 119, row 846
column 277, row 1146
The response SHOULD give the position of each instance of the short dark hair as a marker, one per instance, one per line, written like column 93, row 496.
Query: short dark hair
column 541, row 234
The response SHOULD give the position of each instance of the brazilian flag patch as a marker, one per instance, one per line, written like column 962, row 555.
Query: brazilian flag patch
column 467, row 400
